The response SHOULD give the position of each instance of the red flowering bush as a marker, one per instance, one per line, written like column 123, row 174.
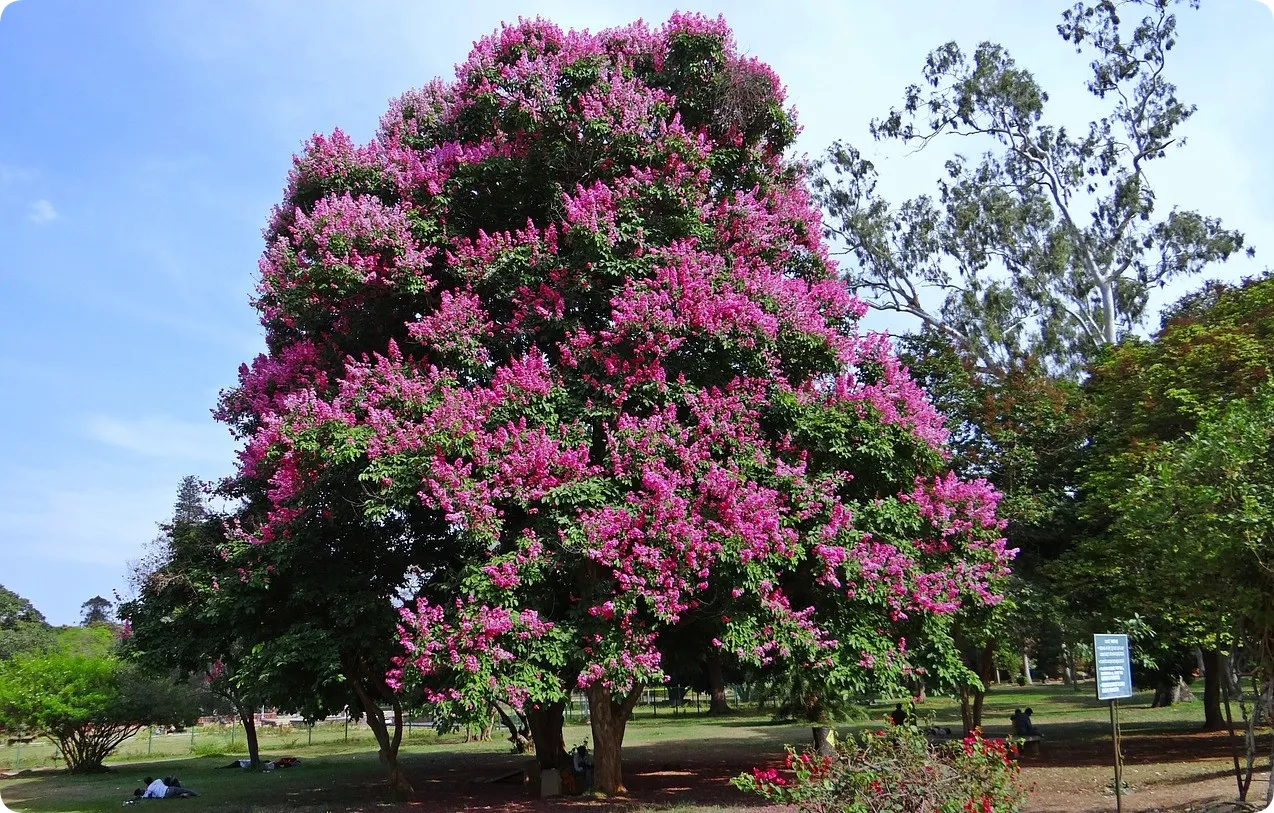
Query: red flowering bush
column 897, row 770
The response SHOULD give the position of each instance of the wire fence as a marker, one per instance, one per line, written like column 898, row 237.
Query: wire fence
column 281, row 737
column 208, row 740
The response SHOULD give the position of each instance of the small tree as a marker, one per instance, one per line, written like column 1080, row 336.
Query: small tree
column 97, row 610
column 189, row 508
column 181, row 620
column 1213, row 350
column 1209, row 498
column 86, row 705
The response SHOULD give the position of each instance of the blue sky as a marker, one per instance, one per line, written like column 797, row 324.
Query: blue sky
column 144, row 142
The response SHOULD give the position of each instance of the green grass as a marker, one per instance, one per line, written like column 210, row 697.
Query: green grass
column 339, row 776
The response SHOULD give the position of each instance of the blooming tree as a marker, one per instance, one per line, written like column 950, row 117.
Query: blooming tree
column 571, row 316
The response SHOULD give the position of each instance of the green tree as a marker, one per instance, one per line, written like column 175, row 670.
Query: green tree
column 22, row 626
column 1197, row 527
column 1050, row 242
column 314, row 617
column 97, row 610
column 189, row 508
column 1214, row 348
column 86, row 705
column 181, row 620
column 1023, row 429
column 1218, row 488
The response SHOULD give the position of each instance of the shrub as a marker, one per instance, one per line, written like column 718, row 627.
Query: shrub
column 897, row 769
column 211, row 748
column 85, row 705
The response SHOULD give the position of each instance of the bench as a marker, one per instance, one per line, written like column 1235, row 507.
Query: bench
column 1030, row 742
column 12, row 740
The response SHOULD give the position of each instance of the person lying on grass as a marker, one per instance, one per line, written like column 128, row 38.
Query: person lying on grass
column 167, row 788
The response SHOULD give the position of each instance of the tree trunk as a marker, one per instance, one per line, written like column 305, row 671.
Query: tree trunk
column 824, row 740
column 519, row 731
column 249, row 721
column 1181, row 692
column 1108, row 307
column 1213, row 718
column 1026, row 667
column 388, row 743
column 986, row 666
column 1163, row 693
column 716, row 685
column 979, row 698
column 966, row 711
column 1070, row 664
column 545, row 721
column 608, row 720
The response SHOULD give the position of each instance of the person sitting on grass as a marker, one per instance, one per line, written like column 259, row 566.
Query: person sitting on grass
column 167, row 788
column 898, row 716
column 1028, row 728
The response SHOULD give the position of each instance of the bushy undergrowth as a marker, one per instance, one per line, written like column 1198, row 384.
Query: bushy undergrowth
column 900, row 770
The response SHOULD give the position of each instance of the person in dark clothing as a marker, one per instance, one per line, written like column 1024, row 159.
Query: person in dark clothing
column 1028, row 727
column 898, row 716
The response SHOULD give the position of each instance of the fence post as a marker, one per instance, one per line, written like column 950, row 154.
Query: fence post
column 310, row 740
column 17, row 759
column 192, row 739
column 347, row 727
column 150, row 740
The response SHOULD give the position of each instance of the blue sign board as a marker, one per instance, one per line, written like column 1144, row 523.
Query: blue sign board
column 1114, row 671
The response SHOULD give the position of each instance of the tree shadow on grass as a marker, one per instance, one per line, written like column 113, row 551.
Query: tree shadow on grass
column 664, row 775
column 1148, row 746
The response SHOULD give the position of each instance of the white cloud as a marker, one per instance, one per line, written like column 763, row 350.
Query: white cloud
column 164, row 437
column 10, row 174
column 42, row 212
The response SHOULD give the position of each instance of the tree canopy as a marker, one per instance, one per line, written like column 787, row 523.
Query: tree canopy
column 1051, row 240
column 565, row 333
column 97, row 610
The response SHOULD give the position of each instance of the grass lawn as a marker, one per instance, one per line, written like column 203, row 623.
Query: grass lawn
column 678, row 763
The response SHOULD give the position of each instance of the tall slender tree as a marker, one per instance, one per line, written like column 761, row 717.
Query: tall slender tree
column 1051, row 241
column 97, row 610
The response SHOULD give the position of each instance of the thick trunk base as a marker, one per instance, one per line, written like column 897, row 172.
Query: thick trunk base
column 716, row 686
column 545, row 722
column 387, row 741
column 824, row 740
column 608, row 719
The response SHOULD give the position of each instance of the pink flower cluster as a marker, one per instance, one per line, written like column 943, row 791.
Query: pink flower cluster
column 473, row 640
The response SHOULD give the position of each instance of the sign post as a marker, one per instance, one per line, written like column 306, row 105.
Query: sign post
column 1114, row 683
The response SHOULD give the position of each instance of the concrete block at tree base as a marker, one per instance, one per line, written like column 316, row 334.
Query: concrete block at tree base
column 532, row 773
column 550, row 783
